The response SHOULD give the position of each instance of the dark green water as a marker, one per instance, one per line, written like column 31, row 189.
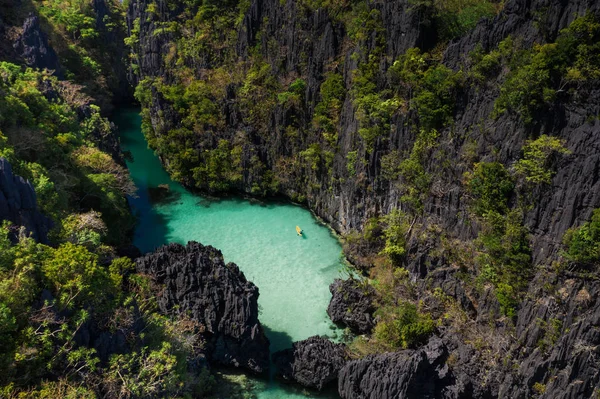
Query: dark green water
column 293, row 273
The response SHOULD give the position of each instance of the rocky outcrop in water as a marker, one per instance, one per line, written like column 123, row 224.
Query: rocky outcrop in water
column 196, row 281
column 32, row 46
column 18, row 204
column 352, row 305
column 313, row 363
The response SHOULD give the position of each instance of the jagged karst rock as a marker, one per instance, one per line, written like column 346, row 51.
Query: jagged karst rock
column 18, row 204
column 33, row 47
column 113, row 36
column 313, row 363
column 352, row 305
column 400, row 375
column 569, row 367
column 195, row 280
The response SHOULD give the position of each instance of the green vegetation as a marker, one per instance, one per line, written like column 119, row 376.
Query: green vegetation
column 82, row 48
column 536, row 157
column 416, row 179
column 504, row 253
column 454, row 18
column 545, row 73
column 505, row 257
column 327, row 112
column 396, row 228
column 39, row 340
column 491, row 186
column 48, row 144
column 403, row 326
column 583, row 243
column 427, row 85
column 49, row 295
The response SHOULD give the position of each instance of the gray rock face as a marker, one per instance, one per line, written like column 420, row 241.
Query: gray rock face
column 313, row 363
column 352, row 305
column 401, row 375
column 113, row 37
column 195, row 280
column 33, row 47
column 18, row 204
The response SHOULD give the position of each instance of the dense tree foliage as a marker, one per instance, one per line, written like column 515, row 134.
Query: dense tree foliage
column 53, row 296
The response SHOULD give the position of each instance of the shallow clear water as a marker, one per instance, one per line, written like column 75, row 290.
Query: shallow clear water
column 293, row 273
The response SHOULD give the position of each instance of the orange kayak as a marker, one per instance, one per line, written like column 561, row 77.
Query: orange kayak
column 298, row 230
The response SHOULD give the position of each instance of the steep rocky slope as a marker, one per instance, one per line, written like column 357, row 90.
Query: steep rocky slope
column 348, row 200
column 331, row 105
column 18, row 204
column 83, row 43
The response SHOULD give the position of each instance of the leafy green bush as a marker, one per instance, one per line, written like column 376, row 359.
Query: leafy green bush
column 428, row 85
column 313, row 155
column 583, row 243
column 403, row 326
column 536, row 156
column 76, row 277
column 538, row 76
column 327, row 111
column 508, row 299
column 505, row 257
column 491, row 186
column 395, row 230
column 294, row 94
column 221, row 170
column 455, row 18
column 48, row 144
column 148, row 373
column 351, row 163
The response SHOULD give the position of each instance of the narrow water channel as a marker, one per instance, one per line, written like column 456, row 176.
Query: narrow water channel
column 293, row 273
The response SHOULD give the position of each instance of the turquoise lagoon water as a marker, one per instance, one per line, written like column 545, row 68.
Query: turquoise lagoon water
column 293, row 273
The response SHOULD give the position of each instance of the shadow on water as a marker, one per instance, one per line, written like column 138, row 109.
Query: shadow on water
column 151, row 231
column 279, row 339
column 163, row 195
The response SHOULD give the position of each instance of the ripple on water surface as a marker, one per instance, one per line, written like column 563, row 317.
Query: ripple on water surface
column 293, row 273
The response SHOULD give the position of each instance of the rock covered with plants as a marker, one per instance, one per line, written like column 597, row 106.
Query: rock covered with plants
column 195, row 281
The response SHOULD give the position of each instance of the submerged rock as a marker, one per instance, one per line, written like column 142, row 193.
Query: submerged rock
column 313, row 363
column 352, row 305
column 196, row 281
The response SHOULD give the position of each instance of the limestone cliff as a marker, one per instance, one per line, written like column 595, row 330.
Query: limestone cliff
column 276, row 137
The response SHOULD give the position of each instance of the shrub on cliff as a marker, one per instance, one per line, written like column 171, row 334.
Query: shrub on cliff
column 534, row 166
column 491, row 186
column 543, row 74
column 583, row 243
column 403, row 326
